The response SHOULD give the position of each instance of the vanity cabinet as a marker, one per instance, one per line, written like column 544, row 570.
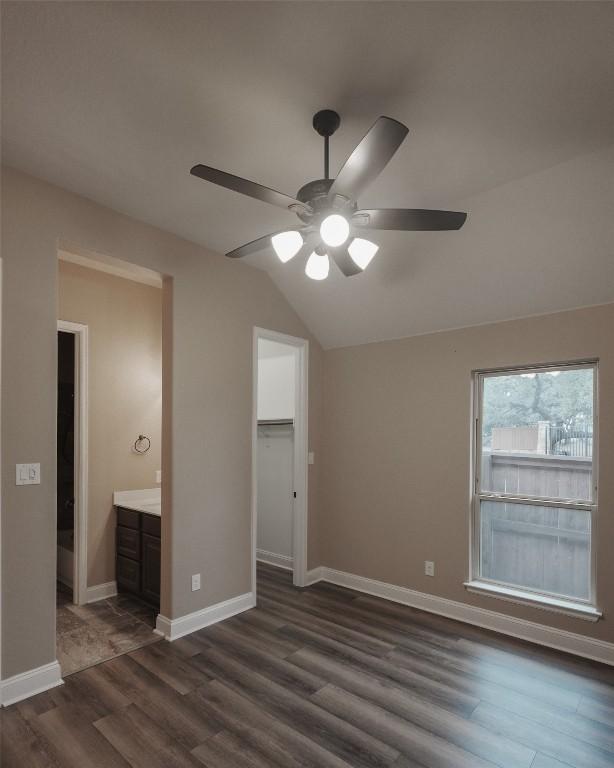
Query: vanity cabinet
column 150, row 568
column 138, row 554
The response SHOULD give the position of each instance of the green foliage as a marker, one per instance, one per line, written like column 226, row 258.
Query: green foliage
column 560, row 397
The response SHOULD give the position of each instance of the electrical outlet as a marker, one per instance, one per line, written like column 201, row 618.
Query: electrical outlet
column 429, row 568
column 158, row 475
column 311, row 458
column 195, row 582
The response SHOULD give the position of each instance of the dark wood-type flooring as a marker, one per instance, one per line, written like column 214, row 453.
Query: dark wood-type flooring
column 89, row 634
column 323, row 678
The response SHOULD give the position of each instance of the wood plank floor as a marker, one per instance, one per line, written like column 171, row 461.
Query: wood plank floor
column 323, row 678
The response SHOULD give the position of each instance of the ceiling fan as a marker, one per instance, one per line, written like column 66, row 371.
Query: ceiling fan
column 331, row 224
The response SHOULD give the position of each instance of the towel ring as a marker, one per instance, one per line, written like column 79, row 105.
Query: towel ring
column 139, row 444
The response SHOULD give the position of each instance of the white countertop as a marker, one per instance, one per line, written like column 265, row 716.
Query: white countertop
column 147, row 500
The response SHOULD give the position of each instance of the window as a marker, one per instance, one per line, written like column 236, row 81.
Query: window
column 534, row 492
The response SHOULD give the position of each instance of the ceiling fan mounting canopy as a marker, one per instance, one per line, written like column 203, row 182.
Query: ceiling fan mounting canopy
column 319, row 204
column 326, row 122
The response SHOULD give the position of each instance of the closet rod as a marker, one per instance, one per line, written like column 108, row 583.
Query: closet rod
column 275, row 422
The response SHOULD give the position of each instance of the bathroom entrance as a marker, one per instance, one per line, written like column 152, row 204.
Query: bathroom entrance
column 66, row 465
column 109, row 455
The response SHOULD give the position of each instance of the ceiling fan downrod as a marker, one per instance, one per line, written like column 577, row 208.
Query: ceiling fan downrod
column 326, row 122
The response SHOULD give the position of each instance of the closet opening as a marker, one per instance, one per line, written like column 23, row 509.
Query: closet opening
column 279, row 463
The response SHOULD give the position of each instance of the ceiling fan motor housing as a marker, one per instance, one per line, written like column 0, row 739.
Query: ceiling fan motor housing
column 315, row 195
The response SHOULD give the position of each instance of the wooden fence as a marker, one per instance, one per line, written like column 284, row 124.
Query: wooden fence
column 544, row 548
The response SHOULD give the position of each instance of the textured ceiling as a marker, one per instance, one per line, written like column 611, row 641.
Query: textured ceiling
column 116, row 101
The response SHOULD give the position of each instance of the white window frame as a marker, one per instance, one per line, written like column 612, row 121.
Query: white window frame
column 585, row 609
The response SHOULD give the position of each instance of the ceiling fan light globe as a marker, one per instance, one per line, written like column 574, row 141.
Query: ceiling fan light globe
column 287, row 244
column 317, row 266
column 362, row 251
column 335, row 230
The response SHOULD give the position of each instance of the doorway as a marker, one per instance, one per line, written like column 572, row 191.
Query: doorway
column 72, row 462
column 66, row 463
column 279, row 453
column 108, row 462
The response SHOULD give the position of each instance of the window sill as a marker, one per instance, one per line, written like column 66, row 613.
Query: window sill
column 567, row 607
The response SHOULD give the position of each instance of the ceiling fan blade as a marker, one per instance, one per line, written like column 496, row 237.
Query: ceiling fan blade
column 345, row 262
column 245, row 187
column 408, row 219
column 259, row 244
column 369, row 158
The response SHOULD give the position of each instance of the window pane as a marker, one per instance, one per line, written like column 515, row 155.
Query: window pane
column 537, row 434
column 545, row 549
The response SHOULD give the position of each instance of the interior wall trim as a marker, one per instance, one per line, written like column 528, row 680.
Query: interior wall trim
column 173, row 629
column 29, row 683
column 272, row 558
column 559, row 639
column 101, row 591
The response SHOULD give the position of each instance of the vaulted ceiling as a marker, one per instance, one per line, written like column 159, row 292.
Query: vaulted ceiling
column 509, row 107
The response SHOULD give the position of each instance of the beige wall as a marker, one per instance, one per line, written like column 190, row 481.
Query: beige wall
column 380, row 510
column 207, row 333
column 393, row 409
column 124, row 320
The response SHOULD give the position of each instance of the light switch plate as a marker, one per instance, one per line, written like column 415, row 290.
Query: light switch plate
column 27, row 474
column 158, row 475
column 310, row 458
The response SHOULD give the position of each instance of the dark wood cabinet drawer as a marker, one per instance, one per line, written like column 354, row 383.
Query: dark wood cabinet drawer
column 128, row 574
column 150, row 568
column 128, row 542
column 128, row 518
column 151, row 524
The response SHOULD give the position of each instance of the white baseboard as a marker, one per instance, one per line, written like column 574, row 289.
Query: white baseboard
column 570, row 642
column 29, row 683
column 315, row 575
column 101, row 591
column 281, row 561
column 172, row 629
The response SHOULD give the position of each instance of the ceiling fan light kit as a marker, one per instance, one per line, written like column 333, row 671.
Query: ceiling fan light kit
column 334, row 230
column 318, row 266
column 331, row 222
column 287, row 244
column 362, row 251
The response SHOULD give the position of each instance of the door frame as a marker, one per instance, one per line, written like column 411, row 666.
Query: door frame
column 301, row 452
column 80, row 333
